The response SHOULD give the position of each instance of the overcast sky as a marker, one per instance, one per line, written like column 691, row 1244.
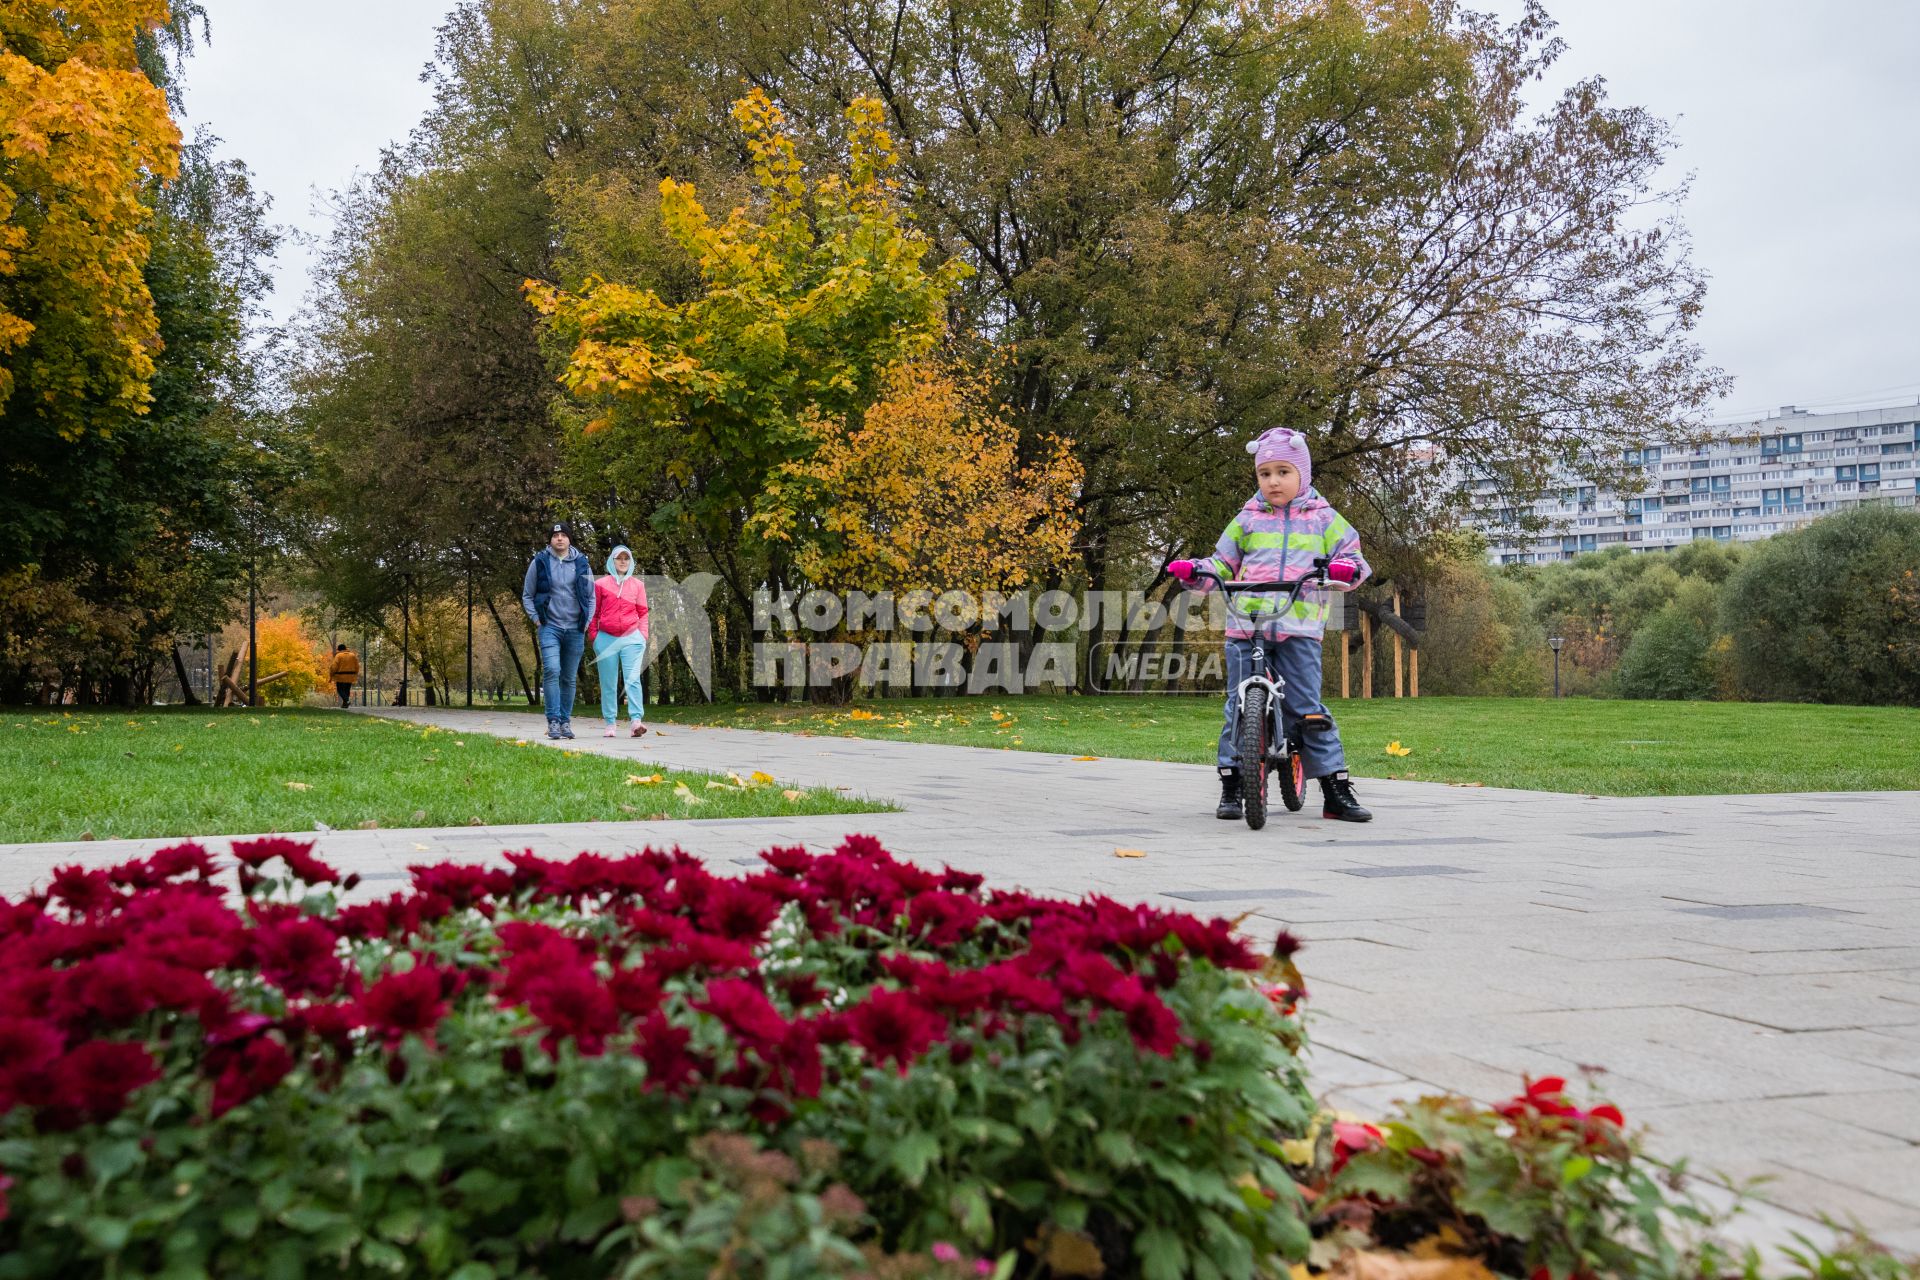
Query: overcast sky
column 1800, row 123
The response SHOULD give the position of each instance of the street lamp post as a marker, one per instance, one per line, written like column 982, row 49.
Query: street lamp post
column 1554, row 643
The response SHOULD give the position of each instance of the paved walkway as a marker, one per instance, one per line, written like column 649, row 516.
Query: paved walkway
column 1746, row 968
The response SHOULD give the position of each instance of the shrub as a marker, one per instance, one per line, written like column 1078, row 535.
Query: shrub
column 495, row 1071
column 1668, row 658
column 1817, row 615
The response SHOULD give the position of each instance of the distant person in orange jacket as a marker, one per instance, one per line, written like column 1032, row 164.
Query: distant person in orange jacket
column 345, row 674
column 618, row 634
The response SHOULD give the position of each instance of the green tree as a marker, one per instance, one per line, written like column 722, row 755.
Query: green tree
column 1668, row 658
column 1815, row 614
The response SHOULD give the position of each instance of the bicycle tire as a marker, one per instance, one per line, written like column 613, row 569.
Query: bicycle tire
column 1293, row 779
column 1254, row 723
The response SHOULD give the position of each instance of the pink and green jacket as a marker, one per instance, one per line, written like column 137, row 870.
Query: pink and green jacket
column 1264, row 543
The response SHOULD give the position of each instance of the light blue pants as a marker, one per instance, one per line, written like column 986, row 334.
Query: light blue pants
column 610, row 654
column 1296, row 660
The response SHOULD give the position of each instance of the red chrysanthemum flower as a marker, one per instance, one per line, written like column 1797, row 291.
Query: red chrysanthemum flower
column 26, row 1044
column 1154, row 1027
column 573, row 1005
column 663, row 1047
column 300, row 955
column 83, row 892
column 636, row 991
column 98, row 1077
column 745, row 1010
column 408, row 1002
column 248, row 1072
column 943, row 919
column 736, row 912
column 187, row 858
column 892, row 1025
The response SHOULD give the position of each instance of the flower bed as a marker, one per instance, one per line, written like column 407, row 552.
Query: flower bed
column 618, row 1066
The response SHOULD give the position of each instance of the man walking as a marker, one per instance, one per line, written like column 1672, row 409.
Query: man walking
column 558, row 596
column 345, row 673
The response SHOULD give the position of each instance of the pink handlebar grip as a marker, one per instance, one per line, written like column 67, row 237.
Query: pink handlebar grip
column 1341, row 571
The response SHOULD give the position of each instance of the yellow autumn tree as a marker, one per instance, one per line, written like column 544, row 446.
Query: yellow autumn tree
column 83, row 134
column 925, row 491
column 286, row 645
column 806, row 297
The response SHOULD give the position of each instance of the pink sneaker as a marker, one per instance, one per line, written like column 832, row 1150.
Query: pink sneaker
column 611, row 732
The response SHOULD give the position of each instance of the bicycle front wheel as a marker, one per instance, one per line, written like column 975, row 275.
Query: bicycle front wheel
column 1255, row 725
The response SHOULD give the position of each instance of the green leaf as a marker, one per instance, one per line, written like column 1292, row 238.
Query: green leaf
column 475, row 1271
column 402, row 1226
column 1162, row 1256
column 583, row 1178
column 109, row 1235
column 109, row 1158
column 590, row 1220
column 912, row 1155
column 671, row 1175
column 974, row 1213
column 1084, row 1182
column 277, row 1195
column 1372, row 1176
column 1117, row 1148
column 1576, row 1169
column 241, row 1221
column 424, row 1163
column 310, row 1219
column 1036, row 1114
column 382, row 1256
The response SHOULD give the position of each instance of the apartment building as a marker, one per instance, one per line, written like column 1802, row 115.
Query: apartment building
column 1753, row 480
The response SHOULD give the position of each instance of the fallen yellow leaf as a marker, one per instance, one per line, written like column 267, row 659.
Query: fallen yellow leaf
column 759, row 778
column 636, row 780
column 1395, row 749
column 792, row 795
column 299, row 786
column 1129, row 853
column 1086, row 757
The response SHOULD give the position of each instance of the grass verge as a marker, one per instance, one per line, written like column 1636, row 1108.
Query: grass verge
column 162, row 772
column 1614, row 748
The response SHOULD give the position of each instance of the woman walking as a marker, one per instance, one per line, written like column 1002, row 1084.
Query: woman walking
column 618, row 634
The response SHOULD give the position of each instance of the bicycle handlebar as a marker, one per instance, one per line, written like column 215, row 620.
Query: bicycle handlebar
column 1292, row 588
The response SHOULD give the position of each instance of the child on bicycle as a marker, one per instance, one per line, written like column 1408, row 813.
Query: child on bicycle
column 1276, row 537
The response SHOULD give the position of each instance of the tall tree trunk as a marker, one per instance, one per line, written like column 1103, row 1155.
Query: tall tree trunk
column 512, row 652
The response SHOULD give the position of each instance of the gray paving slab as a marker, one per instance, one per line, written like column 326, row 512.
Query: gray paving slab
column 1746, row 967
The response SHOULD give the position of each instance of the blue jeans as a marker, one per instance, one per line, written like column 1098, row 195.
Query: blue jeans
column 610, row 654
column 1297, row 661
column 560, row 652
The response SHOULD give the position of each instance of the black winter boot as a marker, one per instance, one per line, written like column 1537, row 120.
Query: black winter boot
column 1338, row 801
column 1229, row 809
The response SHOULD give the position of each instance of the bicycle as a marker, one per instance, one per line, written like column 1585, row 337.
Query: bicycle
column 1257, row 737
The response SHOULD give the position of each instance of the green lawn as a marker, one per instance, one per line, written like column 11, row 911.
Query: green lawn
column 173, row 772
column 1600, row 747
